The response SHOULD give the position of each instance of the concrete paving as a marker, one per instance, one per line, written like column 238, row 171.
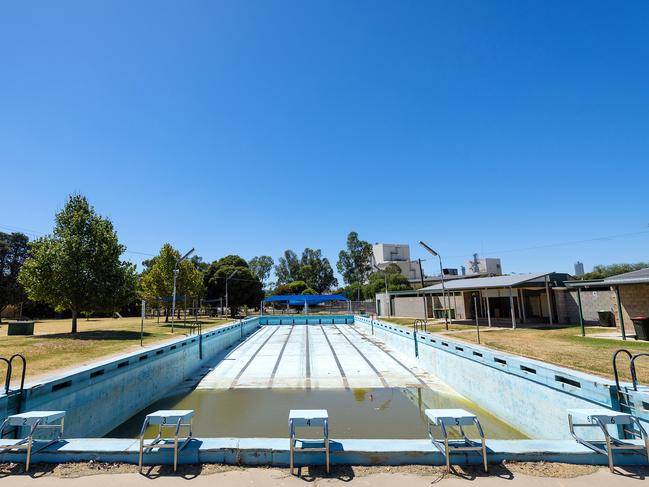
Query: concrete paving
column 316, row 356
column 281, row 478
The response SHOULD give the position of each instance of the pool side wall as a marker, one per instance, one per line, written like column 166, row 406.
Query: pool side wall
column 530, row 395
column 100, row 397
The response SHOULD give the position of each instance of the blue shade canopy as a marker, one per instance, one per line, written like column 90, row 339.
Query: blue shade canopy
column 300, row 299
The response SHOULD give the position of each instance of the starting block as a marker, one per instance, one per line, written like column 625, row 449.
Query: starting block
column 455, row 418
column 306, row 418
column 167, row 419
column 601, row 418
column 34, row 420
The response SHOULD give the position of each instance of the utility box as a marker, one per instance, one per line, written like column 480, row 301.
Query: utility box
column 20, row 328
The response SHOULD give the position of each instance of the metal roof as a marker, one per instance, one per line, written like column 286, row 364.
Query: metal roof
column 640, row 276
column 489, row 282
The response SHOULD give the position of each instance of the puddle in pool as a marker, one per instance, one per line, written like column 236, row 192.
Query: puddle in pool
column 356, row 413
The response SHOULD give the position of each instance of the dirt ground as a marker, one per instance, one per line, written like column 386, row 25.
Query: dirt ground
column 74, row 474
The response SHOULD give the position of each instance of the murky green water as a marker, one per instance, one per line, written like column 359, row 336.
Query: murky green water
column 357, row 413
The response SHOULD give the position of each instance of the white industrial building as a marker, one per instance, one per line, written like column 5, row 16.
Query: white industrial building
column 399, row 254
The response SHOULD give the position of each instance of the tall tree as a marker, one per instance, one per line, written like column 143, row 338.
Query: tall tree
column 158, row 277
column 354, row 263
column 78, row 267
column 316, row 271
column 14, row 248
column 244, row 288
column 261, row 266
column 288, row 268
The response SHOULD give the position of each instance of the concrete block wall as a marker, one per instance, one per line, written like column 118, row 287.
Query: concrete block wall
column 411, row 306
column 635, row 302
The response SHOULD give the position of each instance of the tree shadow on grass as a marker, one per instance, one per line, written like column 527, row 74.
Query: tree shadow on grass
column 98, row 335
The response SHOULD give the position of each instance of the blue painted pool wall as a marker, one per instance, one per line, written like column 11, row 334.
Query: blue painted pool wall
column 306, row 320
column 530, row 395
column 100, row 397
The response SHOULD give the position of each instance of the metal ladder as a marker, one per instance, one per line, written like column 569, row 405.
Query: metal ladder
column 15, row 397
column 622, row 394
column 625, row 404
column 420, row 325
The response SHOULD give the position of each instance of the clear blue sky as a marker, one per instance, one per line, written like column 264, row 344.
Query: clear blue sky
column 250, row 127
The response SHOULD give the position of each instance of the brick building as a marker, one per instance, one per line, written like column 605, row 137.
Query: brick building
column 628, row 292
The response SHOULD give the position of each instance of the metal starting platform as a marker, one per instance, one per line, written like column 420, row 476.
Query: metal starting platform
column 35, row 421
column 455, row 418
column 308, row 418
column 603, row 418
column 167, row 419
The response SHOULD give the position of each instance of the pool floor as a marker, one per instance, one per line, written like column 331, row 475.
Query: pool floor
column 316, row 356
column 369, row 389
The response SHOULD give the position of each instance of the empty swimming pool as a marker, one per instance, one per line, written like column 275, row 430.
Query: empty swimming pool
column 369, row 389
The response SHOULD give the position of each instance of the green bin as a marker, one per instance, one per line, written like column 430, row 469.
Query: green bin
column 20, row 328
column 641, row 325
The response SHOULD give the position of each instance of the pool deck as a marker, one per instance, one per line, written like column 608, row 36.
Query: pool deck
column 275, row 452
column 316, row 356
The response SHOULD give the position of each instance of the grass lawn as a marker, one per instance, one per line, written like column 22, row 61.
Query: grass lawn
column 433, row 326
column 561, row 345
column 53, row 346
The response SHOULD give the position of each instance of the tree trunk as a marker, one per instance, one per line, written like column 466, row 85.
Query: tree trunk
column 74, row 321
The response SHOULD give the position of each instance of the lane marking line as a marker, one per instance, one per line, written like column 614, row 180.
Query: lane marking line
column 378, row 374
column 279, row 358
column 236, row 379
column 340, row 367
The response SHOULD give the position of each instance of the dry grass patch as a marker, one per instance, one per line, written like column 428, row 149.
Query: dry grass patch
column 563, row 345
column 53, row 347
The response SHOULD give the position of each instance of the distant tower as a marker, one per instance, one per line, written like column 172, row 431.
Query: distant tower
column 463, row 270
column 474, row 264
column 579, row 268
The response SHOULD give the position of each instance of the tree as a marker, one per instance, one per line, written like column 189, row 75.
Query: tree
column 288, row 268
column 603, row 271
column 295, row 287
column 14, row 248
column 311, row 268
column 261, row 267
column 157, row 280
column 244, row 288
column 354, row 263
column 376, row 281
column 316, row 271
column 78, row 267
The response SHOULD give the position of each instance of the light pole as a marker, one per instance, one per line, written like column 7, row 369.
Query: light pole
column 173, row 299
column 227, row 305
column 385, row 279
column 441, row 271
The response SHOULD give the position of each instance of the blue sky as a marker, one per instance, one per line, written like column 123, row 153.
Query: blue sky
column 251, row 127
